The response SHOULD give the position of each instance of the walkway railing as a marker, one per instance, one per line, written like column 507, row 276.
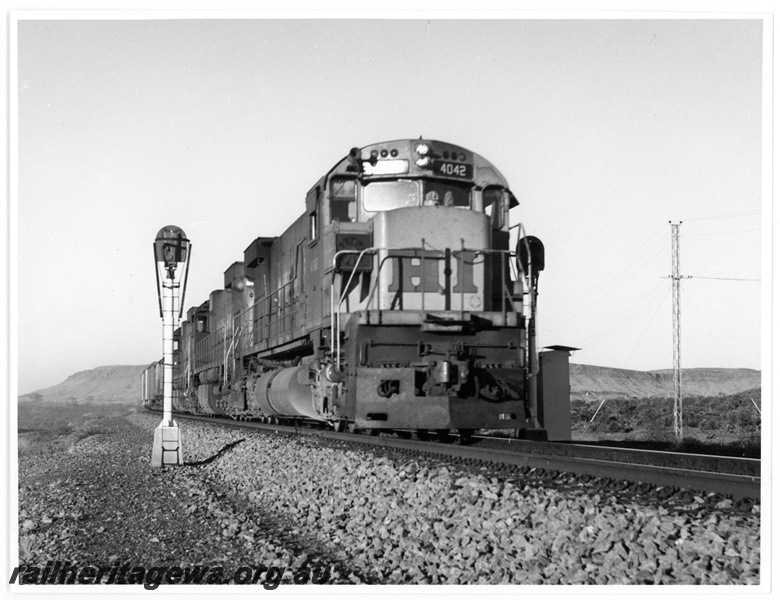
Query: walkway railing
column 210, row 349
column 271, row 319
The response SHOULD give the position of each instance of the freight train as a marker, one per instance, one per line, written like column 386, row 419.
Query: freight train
column 394, row 302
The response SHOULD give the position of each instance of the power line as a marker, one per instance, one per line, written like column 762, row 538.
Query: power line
column 731, row 215
column 592, row 298
column 611, row 280
column 716, row 343
column 650, row 322
column 635, row 310
column 722, row 278
column 722, row 232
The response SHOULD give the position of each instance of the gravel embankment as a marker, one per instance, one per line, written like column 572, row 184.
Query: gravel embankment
column 249, row 498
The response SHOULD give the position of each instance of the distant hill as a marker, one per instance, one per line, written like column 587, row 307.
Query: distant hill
column 591, row 382
column 119, row 384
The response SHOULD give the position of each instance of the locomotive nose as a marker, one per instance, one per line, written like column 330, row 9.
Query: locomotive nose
column 430, row 264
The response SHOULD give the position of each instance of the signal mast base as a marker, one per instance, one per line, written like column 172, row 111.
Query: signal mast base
column 167, row 450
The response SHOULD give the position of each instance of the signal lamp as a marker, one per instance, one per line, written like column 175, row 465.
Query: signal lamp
column 422, row 149
column 171, row 257
column 423, row 162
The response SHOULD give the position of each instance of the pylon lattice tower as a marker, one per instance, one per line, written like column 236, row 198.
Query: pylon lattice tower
column 676, row 354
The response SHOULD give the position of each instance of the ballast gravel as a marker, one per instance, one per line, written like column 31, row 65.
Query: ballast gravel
column 259, row 498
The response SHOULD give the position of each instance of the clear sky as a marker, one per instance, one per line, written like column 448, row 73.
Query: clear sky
column 605, row 129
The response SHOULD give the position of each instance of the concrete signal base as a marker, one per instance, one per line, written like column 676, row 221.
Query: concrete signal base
column 167, row 450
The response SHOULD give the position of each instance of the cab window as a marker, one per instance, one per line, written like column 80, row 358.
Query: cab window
column 445, row 193
column 387, row 195
column 492, row 200
column 342, row 199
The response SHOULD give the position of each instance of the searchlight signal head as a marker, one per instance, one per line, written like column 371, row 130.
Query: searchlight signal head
column 171, row 248
column 530, row 257
column 172, row 252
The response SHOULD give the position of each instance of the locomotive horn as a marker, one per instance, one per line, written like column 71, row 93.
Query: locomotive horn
column 356, row 163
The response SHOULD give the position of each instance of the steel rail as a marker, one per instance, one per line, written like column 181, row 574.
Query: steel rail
column 708, row 473
column 660, row 458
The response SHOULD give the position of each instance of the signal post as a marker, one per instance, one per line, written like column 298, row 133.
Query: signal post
column 172, row 261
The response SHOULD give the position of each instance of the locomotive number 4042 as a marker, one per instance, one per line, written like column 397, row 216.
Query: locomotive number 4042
column 452, row 169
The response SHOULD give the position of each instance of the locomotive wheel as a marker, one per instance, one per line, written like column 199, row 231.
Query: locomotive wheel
column 443, row 435
column 466, row 436
column 340, row 426
column 424, row 435
column 404, row 435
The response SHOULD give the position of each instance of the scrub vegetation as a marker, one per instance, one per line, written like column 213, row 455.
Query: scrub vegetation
column 725, row 423
column 47, row 427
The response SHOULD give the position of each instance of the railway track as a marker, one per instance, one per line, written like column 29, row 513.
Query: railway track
column 735, row 477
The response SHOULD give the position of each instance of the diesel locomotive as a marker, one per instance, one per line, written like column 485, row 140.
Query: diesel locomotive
column 394, row 302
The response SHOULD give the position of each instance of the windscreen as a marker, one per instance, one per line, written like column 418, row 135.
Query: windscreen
column 388, row 195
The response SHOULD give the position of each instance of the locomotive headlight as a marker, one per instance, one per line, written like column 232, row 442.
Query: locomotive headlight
column 423, row 162
column 422, row 149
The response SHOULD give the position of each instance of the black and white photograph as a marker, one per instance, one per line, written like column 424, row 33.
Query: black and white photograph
column 343, row 295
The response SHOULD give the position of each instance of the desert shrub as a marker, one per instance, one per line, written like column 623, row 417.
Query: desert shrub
column 741, row 420
column 735, row 414
column 581, row 412
column 648, row 413
column 709, row 423
column 51, row 427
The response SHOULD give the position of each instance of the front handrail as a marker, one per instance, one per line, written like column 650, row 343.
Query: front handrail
column 462, row 256
column 335, row 324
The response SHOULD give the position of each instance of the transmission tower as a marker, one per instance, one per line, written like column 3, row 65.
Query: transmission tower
column 678, row 408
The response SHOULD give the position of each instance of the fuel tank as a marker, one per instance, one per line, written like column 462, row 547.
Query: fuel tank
column 285, row 393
